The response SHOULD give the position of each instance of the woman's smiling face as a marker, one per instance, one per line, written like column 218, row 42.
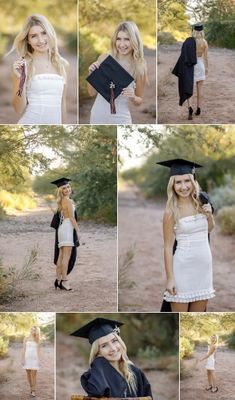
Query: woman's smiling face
column 110, row 348
column 38, row 39
column 123, row 43
column 183, row 185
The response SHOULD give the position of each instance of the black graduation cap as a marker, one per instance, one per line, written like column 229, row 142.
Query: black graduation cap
column 179, row 166
column 61, row 182
column 98, row 328
column 109, row 80
column 198, row 27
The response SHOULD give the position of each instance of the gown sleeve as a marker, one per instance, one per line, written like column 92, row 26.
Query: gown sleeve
column 94, row 381
column 143, row 385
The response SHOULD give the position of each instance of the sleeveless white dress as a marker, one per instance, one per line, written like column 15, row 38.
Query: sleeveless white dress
column 31, row 356
column 44, row 95
column 199, row 70
column 65, row 232
column 192, row 261
column 101, row 114
column 211, row 361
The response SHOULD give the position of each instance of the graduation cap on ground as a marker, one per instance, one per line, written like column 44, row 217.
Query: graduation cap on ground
column 61, row 182
column 198, row 27
column 98, row 328
column 109, row 80
column 179, row 166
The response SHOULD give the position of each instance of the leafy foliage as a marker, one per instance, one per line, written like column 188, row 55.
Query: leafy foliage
column 211, row 146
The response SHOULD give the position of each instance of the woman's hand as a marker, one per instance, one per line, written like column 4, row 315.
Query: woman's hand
column 95, row 65
column 207, row 208
column 128, row 92
column 171, row 286
column 17, row 67
column 79, row 235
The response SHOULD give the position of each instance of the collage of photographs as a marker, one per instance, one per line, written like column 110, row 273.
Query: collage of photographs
column 117, row 200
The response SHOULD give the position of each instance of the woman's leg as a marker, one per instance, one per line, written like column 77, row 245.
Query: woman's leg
column 213, row 378
column 198, row 306
column 199, row 93
column 66, row 253
column 175, row 307
column 190, row 110
column 34, row 379
column 28, row 371
column 59, row 266
column 209, row 377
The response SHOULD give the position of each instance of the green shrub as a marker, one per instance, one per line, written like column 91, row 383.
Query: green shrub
column 226, row 220
column 3, row 346
column 166, row 38
column 88, row 55
column 186, row 347
column 231, row 340
column 224, row 195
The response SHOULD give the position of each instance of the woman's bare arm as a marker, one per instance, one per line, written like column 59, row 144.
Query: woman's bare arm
column 168, row 235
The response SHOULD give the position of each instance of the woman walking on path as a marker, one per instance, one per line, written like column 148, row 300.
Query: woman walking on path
column 192, row 68
column 210, row 365
column 30, row 358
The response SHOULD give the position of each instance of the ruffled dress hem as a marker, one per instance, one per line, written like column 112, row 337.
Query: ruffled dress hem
column 189, row 297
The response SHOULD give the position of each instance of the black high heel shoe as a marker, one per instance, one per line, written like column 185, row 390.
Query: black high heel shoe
column 198, row 112
column 190, row 113
column 56, row 284
column 62, row 287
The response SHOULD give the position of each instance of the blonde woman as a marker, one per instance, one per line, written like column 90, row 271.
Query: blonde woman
column 200, row 68
column 210, row 365
column 67, row 234
column 188, row 221
column 30, row 358
column 39, row 75
column 111, row 373
column 127, row 50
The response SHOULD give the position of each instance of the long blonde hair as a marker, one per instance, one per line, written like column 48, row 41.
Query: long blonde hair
column 25, row 50
column 36, row 336
column 124, row 363
column 199, row 36
column 172, row 199
column 60, row 197
column 139, row 63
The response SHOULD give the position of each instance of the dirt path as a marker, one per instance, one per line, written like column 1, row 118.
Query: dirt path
column 144, row 114
column 13, row 381
column 193, row 387
column 70, row 366
column 140, row 229
column 7, row 112
column 93, row 278
column 219, row 88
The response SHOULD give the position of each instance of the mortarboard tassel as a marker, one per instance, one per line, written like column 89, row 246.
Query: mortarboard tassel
column 112, row 98
column 22, row 79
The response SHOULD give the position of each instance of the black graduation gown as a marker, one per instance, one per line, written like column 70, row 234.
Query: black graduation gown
column 184, row 69
column 204, row 198
column 73, row 256
column 103, row 380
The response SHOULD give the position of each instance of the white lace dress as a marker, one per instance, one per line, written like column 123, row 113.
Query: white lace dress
column 65, row 232
column 210, row 364
column 44, row 95
column 192, row 261
column 101, row 114
column 31, row 355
